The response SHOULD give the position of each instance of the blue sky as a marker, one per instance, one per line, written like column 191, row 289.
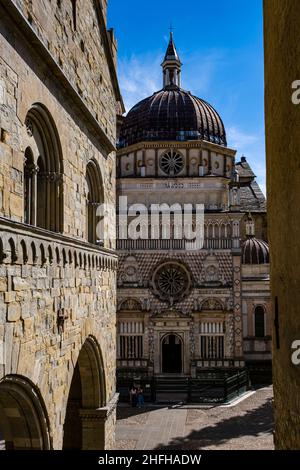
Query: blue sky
column 220, row 44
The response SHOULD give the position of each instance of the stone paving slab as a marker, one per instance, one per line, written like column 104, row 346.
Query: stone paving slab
column 245, row 426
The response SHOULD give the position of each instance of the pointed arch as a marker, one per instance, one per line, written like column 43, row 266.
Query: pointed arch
column 24, row 252
column 50, row 255
column 43, row 172
column 95, row 197
column 24, row 423
column 13, row 251
column 57, row 254
column 64, row 257
column 87, row 392
column 34, row 256
column 43, row 254
column 75, row 259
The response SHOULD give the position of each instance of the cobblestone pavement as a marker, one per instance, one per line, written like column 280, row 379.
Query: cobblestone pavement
column 248, row 425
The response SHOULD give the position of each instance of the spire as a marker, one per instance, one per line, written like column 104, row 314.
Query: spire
column 171, row 52
column 171, row 65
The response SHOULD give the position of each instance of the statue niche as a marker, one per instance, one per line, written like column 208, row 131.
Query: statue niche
column 130, row 274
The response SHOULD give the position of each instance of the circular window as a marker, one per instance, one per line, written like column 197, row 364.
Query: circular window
column 171, row 163
column 171, row 282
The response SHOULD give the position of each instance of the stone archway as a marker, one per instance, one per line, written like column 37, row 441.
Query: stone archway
column 84, row 426
column 23, row 418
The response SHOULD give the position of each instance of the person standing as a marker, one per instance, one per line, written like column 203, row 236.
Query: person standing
column 133, row 396
column 140, row 397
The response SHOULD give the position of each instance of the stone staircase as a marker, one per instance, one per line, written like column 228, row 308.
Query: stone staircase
column 171, row 388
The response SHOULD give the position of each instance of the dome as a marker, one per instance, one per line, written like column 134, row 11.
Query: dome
column 172, row 114
column 255, row 251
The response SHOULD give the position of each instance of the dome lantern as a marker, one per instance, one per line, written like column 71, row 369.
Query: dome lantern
column 171, row 66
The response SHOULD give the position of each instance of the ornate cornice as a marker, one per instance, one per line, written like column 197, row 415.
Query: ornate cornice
column 199, row 144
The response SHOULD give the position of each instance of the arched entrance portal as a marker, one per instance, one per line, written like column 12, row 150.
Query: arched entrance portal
column 23, row 419
column 84, row 423
column 171, row 354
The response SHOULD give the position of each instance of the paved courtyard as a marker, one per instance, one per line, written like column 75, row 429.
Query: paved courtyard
column 247, row 425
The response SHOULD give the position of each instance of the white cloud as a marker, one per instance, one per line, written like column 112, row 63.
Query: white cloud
column 252, row 147
column 238, row 139
column 139, row 78
column 199, row 70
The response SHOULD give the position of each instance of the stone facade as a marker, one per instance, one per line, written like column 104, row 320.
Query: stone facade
column 59, row 100
column 214, row 322
column 282, row 56
column 221, row 289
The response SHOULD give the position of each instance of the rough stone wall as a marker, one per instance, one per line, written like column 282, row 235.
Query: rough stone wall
column 79, row 50
column 34, row 291
column 31, row 343
column 282, row 59
column 20, row 88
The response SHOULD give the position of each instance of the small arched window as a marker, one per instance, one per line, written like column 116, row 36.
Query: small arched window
column 259, row 318
column 43, row 170
column 94, row 199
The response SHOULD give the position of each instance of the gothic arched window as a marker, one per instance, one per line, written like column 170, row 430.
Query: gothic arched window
column 94, row 199
column 259, row 319
column 43, row 191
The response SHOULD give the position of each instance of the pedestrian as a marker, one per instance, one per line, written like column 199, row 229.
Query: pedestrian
column 140, row 397
column 133, row 396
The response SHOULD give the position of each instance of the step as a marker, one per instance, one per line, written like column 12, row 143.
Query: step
column 170, row 397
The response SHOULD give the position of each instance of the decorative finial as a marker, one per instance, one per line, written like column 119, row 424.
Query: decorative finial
column 171, row 64
column 250, row 226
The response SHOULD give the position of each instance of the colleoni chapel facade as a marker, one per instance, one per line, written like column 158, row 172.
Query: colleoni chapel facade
column 180, row 312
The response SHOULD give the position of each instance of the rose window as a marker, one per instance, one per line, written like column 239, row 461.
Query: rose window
column 171, row 282
column 171, row 163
